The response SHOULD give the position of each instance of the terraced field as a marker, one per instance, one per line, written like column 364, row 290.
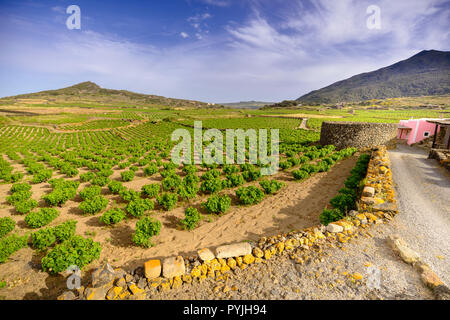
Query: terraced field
column 105, row 181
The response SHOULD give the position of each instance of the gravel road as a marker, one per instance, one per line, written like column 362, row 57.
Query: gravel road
column 423, row 195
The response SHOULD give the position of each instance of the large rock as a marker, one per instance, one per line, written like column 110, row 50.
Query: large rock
column 368, row 200
column 430, row 279
column 368, row 192
column 385, row 207
column 99, row 293
column 103, row 276
column 152, row 269
column 67, row 295
column 206, row 255
column 233, row 250
column 334, row 228
column 400, row 247
column 173, row 266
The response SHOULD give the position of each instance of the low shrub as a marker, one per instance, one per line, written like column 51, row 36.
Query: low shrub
column 59, row 196
column 23, row 207
column 20, row 187
column 116, row 187
column 191, row 218
column 129, row 194
column 138, row 207
column 77, row 251
column 188, row 191
column 171, row 183
column 93, row 205
column 343, row 202
column 42, row 175
column 87, row 176
column 190, row 169
column 330, row 215
column 230, row 169
column 210, row 174
column 145, row 229
column 271, row 186
column 151, row 190
column 300, row 174
column 90, row 192
column 44, row 216
column 62, row 191
column 6, row 226
column 113, row 216
column 211, row 185
column 167, row 200
column 100, row 181
column 127, row 175
column 217, row 204
column 18, row 196
column 43, row 238
column 11, row 244
column 65, row 230
column 233, row 180
column 251, row 175
column 249, row 195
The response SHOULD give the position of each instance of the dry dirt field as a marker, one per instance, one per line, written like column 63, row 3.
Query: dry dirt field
column 295, row 206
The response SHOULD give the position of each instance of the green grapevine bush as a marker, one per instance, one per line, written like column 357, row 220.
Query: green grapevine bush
column 44, row 216
column 90, row 192
column 217, row 204
column 116, row 187
column 6, row 226
column 11, row 244
column 151, row 190
column 93, row 205
column 167, row 200
column 271, row 186
column 192, row 217
column 249, row 195
column 138, row 207
column 77, row 251
column 112, row 216
column 151, row 169
column 145, row 229
column 300, row 174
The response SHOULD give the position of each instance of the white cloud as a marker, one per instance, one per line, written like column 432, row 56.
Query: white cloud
column 59, row 9
column 184, row 35
column 219, row 3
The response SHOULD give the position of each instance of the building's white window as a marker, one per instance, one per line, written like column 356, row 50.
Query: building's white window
column 426, row 134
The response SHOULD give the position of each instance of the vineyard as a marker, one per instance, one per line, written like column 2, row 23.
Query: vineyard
column 107, row 185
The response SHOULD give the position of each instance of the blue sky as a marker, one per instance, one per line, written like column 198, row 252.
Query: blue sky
column 210, row 50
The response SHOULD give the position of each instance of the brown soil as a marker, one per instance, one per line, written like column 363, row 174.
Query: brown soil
column 296, row 206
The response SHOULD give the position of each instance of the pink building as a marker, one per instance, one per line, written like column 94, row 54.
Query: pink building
column 415, row 130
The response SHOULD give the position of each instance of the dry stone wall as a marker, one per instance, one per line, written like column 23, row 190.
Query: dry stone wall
column 358, row 134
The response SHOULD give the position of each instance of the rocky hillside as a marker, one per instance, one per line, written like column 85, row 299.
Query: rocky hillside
column 91, row 92
column 424, row 74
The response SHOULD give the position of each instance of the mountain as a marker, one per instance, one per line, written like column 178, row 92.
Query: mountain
column 246, row 104
column 426, row 73
column 90, row 92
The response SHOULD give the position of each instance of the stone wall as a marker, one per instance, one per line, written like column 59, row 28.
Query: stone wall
column 358, row 134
